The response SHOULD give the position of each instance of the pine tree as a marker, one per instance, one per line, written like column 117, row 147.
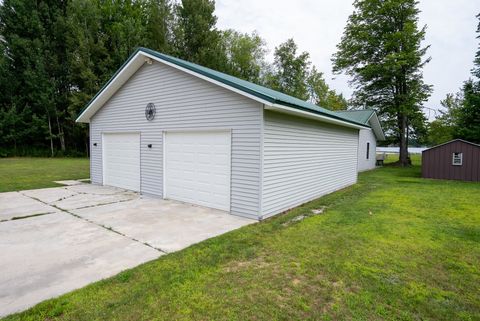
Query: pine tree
column 33, row 49
column 196, row 36
column 159, row 24
column 381, row 50
column 468, row 125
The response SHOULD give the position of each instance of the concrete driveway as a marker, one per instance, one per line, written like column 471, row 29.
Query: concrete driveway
column 59, row 239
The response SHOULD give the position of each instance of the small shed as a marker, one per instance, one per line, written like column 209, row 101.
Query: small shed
column 456, row 159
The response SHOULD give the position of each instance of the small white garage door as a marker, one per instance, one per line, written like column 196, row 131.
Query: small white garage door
column 121, row 160
column 197, row 167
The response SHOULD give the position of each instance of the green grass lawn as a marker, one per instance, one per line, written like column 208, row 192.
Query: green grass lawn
column 29, row 173
column 392, row 247
column 392, row 158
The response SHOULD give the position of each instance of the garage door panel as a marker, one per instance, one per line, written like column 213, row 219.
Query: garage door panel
column 198, row 167
column 121, row 152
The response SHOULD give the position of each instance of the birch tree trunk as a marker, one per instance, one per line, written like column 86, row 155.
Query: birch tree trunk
column 50, row 135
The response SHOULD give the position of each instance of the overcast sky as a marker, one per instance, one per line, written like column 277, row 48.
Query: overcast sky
column 317, row 26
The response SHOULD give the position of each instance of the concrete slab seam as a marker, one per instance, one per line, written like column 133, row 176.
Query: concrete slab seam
column 100, row 225
column 15, row 218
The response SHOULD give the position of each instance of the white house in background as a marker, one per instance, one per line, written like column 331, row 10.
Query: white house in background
column 166, row 127
column 367, row 140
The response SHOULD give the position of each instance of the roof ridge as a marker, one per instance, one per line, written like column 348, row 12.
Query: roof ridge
column 176, row 60
column 273, row 96
column 454, row 140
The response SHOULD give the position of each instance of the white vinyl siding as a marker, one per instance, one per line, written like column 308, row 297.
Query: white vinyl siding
column 304, row 159
column 183, row 102
column 366, row 136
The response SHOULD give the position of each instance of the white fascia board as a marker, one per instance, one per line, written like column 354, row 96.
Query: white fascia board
column 128, row 70
column 304, row 114
column 121, row 78
column 376, row 126
column 139, row 59
column 213, row 81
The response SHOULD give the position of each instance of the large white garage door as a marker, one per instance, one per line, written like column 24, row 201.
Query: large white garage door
column 121, row 160
column 197, row 167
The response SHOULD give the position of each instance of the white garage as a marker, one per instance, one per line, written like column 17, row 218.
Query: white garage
column 121, row 160
column 197, row 167
column 172, row 129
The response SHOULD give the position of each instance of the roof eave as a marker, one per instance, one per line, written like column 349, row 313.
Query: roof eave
column 451, row 141
column 137, row 59
column 377, row 127
column 297, row 112
column 133, row 63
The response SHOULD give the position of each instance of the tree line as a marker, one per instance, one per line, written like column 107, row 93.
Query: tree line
column 56, row 55
column 382, row 50
column 460, row 113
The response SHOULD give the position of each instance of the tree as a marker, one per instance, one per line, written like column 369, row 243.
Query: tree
column 101, row 35
column 442, row 129
column 438, row 133
column 196, row 36
column 476, row 62
column 468, row 118
column 461, row 115
column 159, row 24
column 291, row 74
column 56, row 55
column 321, row 94
column 34, row 46
column 381, row 50
column 122, row 24
column 245, row 55
column 290, row 70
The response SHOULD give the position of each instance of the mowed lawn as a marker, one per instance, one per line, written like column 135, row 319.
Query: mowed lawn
column 392, row 247
column 29, row 173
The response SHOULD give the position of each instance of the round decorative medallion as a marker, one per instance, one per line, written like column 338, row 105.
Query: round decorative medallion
column 150, row 111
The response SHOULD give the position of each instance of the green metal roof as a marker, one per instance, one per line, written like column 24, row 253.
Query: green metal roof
column 359, row 116
column 262, row 92
column 267, row 94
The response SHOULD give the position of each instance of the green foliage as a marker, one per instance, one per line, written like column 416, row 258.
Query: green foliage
column 468, row 124
column 290, row 70
column 381, row 50
column 291, row 74
column 392, row 247
column 196, row 37
column 442, row 129
column 461, row 119
column 439, row 133
column 245, row 55
column 321, row 94
column 33, row 45
column 159, row 23
column 55, row 56
column 476, row 62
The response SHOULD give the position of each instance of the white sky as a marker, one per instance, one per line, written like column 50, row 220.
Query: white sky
column 317, row 26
